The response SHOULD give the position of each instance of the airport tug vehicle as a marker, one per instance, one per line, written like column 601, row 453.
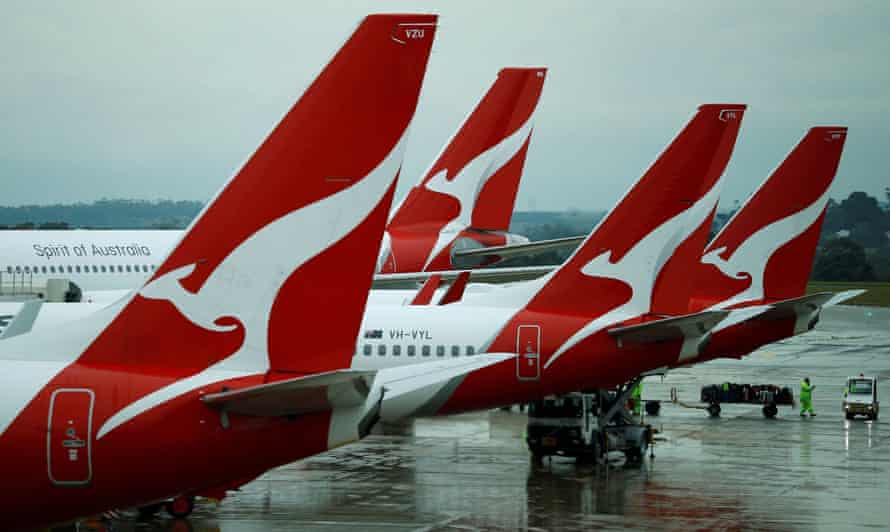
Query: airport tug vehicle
column 861, row 397
column 587, row 425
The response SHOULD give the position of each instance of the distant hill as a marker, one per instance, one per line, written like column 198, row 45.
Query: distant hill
column 854, row 245
column 102, row 214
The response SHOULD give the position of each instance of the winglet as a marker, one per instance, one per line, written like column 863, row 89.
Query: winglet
column 456, row 290
column 425, row 294
column 23, row 320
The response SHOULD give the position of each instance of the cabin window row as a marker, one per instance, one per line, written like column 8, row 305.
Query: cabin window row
column 100, row 268
column 411, row 350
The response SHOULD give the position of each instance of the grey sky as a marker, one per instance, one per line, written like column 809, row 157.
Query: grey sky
column 167, row 99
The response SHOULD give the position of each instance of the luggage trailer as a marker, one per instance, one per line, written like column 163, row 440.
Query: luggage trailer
column 768, row 395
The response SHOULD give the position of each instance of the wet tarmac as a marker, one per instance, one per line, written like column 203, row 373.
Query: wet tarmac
column 736, row 472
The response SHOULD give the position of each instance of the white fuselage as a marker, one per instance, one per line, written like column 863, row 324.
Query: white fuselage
column 94, row 260
column 392, row 333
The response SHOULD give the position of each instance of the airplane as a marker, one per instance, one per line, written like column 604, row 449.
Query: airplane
column 234, row 356
column 763, row 256
column 567, row 325
column 757, row 266
column 464, row 201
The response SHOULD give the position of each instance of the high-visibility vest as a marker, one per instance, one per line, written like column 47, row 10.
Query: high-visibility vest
column 805, row 390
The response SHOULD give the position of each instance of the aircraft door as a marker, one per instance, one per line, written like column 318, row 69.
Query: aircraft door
column 528, row 349
column 69, row 437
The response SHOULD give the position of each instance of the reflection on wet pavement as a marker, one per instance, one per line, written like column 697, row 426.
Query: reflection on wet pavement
column 737, row 472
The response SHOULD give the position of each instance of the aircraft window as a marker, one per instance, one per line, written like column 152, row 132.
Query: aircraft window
column 43, row 269
column 440, row 350
column 411, row 350
column 425, row 350
column 471, row 350
column 27, row 269
column 95, row 269
column 396, row 350
column 69, row 269
column 120, row 268
column 9, row 269
column 381, row 350
column 102, row 268
column 128, row 268
column 152, row 267
column 52, row 269
column 455, row 351
column 145, row 267
column 77, row 268
column 367, row 350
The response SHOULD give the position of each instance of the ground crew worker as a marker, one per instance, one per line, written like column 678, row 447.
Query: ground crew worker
column 806, row 397
column 637, row 396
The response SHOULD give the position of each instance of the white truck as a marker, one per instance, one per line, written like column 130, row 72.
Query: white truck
column 861, row 397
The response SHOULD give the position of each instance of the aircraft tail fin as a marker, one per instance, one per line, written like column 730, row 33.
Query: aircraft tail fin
column 474, row 180
column 640, row 254
column 765, row 252
column 274, row 273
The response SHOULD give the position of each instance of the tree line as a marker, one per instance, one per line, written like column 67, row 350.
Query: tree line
column 854, row 244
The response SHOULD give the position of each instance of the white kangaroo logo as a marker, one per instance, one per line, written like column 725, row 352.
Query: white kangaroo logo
column 640, row 266
column 245, row 284
column 469, row 182
column 751, row 257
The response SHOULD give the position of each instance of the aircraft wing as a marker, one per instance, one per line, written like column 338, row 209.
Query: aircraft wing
column 483, row 275
column 421, row 389
column 524, row 249
column 301, row 395
column 406, row 388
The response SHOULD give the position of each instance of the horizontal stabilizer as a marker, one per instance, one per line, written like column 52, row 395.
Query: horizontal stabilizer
column 668, row 328
column 741, row 315
column 486, row 275
column 805, row 310
column 693, row 329
column 301, row 395
column 23, row 320
column 840, row 297
column 421, row 389
column 521, row 250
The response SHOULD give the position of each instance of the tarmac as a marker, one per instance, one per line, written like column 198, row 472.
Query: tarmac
column 736, row 472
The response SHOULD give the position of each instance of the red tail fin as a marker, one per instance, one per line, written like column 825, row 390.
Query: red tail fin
column 638, row 255
column 765, row 252
column 289, row 244
column 475, row 179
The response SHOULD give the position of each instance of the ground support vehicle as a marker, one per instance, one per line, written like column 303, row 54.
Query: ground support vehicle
column 861, row 397
column 587, row 425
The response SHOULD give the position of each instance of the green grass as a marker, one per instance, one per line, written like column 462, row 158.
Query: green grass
column 878, row 294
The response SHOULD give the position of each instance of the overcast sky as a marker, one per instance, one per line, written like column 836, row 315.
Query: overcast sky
column 167, row 99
